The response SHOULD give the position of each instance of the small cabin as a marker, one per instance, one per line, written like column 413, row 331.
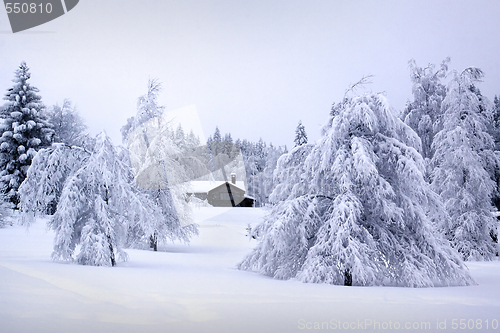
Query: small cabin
column 226, row 195
column 222, row 193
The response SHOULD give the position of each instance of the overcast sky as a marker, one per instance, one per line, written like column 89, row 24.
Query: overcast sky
column 254, row 68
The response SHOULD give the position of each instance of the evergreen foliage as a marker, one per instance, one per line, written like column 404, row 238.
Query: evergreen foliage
column 300, row 135
column 23, row 131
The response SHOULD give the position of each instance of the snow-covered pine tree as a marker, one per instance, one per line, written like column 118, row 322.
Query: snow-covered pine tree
column 300, row 135
column 180, row 138
column 365, row 215
column 192, row 140
column 228, row 138
column 463, row 155
column 423, row 115
column 67, row 124
column 96, row 207
column 217, row 136
column 23, row 131
column 496, row 121
column 215, row 143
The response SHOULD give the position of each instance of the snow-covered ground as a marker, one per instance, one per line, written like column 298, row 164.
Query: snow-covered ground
column 196, row 288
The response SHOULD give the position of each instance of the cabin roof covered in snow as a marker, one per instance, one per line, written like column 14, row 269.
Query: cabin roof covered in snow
column 199, row 186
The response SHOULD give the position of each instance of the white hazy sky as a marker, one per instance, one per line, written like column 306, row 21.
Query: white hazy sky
column 255, row 68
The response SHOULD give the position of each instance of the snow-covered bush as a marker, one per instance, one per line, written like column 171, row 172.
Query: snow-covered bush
column 364, row 214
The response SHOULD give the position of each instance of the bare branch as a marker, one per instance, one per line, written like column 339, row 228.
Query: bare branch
column 366, row 79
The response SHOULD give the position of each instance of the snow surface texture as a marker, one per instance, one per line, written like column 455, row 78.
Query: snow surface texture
column 196, row 288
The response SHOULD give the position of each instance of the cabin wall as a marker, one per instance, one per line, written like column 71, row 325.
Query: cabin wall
column 219, row 197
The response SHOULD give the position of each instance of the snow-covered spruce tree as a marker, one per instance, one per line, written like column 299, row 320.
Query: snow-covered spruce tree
column 96, row 206
column 47, row 175
column 463, row 155
column 179, row 138
column 423, row 115
column 496, row 122
column 23, row 131
column 300, row 135
column 365, row 215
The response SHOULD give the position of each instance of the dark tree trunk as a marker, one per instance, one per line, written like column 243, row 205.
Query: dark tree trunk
column 112, row 252
column 347, row 278
column 153, row 242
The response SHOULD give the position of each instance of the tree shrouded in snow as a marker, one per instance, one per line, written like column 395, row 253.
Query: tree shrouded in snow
column 23, row 131
column 496, row 122
column 217, row 136
column 5, row 212
column 154, row 160
column 423, row 115
column 463, row 155
column 147, row 108
column 96, row 203
column 67, row 124
column 160, row 175
column 300, row 135
column 363, row 213
column 288, row 174
column 96, row 206
column 51, row 167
